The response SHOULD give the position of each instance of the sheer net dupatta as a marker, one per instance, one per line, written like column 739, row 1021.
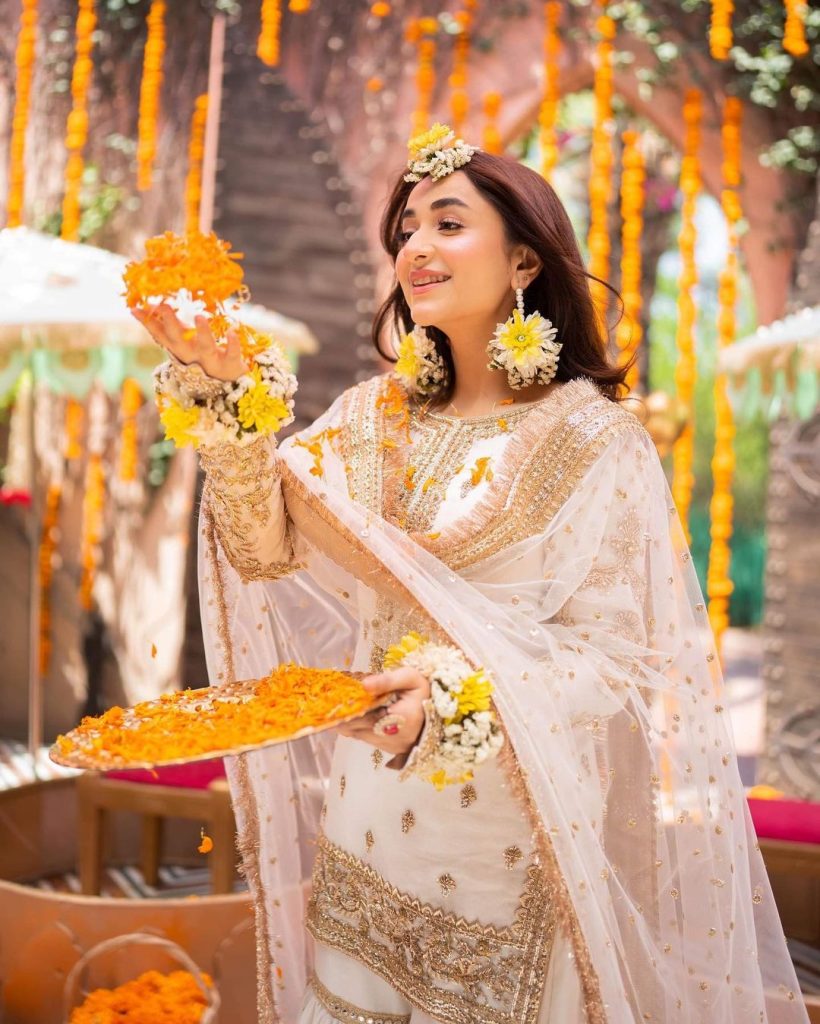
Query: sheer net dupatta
column 592, row 629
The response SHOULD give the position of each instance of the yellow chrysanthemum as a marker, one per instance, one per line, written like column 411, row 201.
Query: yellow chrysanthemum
column 521, row 338
column 408, row 364
column 441, row 779
column 258, row 410
column 475, row 695
column 431, row 139
column 178, row 422
column 396, row 654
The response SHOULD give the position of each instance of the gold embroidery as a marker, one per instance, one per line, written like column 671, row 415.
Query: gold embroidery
column 239, row 488
column 512, row 855
column 628, row 544
column 408, row 820
column 369, row 840
column 342, row 784
column 377, row 757
column 453, row 969
column 468, row 795
column 447, row 884
column 344, row 1011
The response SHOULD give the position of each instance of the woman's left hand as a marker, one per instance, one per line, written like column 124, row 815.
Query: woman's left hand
column 406, row 714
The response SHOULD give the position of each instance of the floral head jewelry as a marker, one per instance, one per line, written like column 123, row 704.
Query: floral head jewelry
column 419, row 365
column 437, row 152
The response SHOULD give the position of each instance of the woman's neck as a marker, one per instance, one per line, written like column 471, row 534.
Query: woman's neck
column 478, row 390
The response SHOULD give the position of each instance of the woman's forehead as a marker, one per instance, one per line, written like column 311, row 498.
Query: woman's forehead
column 428, row 191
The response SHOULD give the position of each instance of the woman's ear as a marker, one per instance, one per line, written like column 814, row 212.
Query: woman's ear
column 526, row 265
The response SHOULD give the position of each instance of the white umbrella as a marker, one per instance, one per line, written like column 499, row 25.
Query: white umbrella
column 70, row 295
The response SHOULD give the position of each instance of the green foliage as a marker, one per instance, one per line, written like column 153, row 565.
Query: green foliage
column 99, row 201
column 758, row 68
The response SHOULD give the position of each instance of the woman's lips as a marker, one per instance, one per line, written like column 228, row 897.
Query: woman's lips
column 420, row 289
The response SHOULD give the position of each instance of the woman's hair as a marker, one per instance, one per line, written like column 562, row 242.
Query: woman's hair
column 533, row 215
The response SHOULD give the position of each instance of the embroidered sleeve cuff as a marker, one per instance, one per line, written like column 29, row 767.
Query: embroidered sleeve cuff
column 194, row 382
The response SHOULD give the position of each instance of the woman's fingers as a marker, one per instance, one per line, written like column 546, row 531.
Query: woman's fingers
column 395, row 680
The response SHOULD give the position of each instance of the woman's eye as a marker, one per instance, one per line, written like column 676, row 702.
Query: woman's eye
column 449, row 224
column 403, row 236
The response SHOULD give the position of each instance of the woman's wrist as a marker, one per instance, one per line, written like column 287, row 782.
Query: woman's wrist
column 460, row 729
column 196, row 408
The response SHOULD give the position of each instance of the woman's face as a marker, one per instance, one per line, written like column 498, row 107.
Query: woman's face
column 455, row 265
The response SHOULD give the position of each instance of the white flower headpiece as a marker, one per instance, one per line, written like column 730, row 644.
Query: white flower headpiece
column 437, row 152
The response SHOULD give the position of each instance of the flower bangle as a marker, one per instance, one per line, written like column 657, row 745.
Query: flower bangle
column 460, row 730
column 197, row 409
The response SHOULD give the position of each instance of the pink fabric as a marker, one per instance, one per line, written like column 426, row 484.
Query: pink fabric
column 198, row 775
column 797, row 821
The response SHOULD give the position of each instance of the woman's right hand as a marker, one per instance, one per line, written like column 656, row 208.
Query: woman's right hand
column 222, row 361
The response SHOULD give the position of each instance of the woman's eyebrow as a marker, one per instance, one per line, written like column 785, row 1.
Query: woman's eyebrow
column 437, row 205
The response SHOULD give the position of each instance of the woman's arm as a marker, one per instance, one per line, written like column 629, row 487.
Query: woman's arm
column 243, row 490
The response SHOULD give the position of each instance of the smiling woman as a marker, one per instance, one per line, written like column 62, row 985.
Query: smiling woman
column 547, row 824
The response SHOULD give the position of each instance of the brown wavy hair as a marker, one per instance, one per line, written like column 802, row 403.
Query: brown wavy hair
column 533, row 215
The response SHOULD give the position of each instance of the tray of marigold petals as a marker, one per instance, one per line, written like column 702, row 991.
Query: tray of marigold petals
column 216, row 721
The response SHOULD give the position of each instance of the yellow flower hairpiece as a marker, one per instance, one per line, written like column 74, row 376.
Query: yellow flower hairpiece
column 436, row 152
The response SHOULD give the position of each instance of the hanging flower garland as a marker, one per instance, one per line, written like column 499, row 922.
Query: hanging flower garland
column 130, row 403
column 459, row 97
column 74, row 416
column 150, row 94
column 93, row 499
column 380, row 9
column 600, row 179
column 794, row 31
column 491, row 137
column 548, row 114
column 77, row 127
column 196, row 154
column 26, row 43
column 719, row 585
column 422, row 32
column 686, row 369
column 629, row 331
column 267, row 46
column 720, row 29
column 45, row 567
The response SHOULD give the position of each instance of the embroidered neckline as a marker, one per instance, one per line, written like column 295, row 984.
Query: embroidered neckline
column 510, row 413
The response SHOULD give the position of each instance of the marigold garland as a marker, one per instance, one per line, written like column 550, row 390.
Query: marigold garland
column 267, row 46
column 148, row 999
column 93, row 507
column 150, row 94
column 422, row 32
column 196, row 154
column 459, row 97
column 548, row 113
column 130, row 403
column 720, row 29
column 190, row 724
column 77, row 126
column 719, row 585
column 629, row 332
column 45, row 563
column 491, row 137
column 794, row 31
column 686, row 370
column 74, row 420
column 600, row 179
column 24, row 59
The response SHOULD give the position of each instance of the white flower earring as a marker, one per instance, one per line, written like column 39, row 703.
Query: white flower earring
column 419, row 364
column 525, row 347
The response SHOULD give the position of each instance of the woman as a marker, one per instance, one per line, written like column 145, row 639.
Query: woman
column 507, row 516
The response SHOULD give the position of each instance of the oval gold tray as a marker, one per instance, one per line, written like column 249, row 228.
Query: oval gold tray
column 195, row 703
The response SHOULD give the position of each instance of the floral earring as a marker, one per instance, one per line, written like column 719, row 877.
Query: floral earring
column 525, row 347
column 419, row 364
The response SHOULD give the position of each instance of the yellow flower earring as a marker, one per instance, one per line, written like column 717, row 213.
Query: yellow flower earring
column 525, row 347
column 419, row 364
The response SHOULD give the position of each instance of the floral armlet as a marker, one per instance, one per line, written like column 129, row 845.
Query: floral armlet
column 461, row 730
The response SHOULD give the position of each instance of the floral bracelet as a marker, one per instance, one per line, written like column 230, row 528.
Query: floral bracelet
column 258, row 403
column 461, row 730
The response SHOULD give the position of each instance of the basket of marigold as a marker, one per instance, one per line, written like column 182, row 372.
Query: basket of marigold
column 184, row 996
column 199, row 274
column 216, row 721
